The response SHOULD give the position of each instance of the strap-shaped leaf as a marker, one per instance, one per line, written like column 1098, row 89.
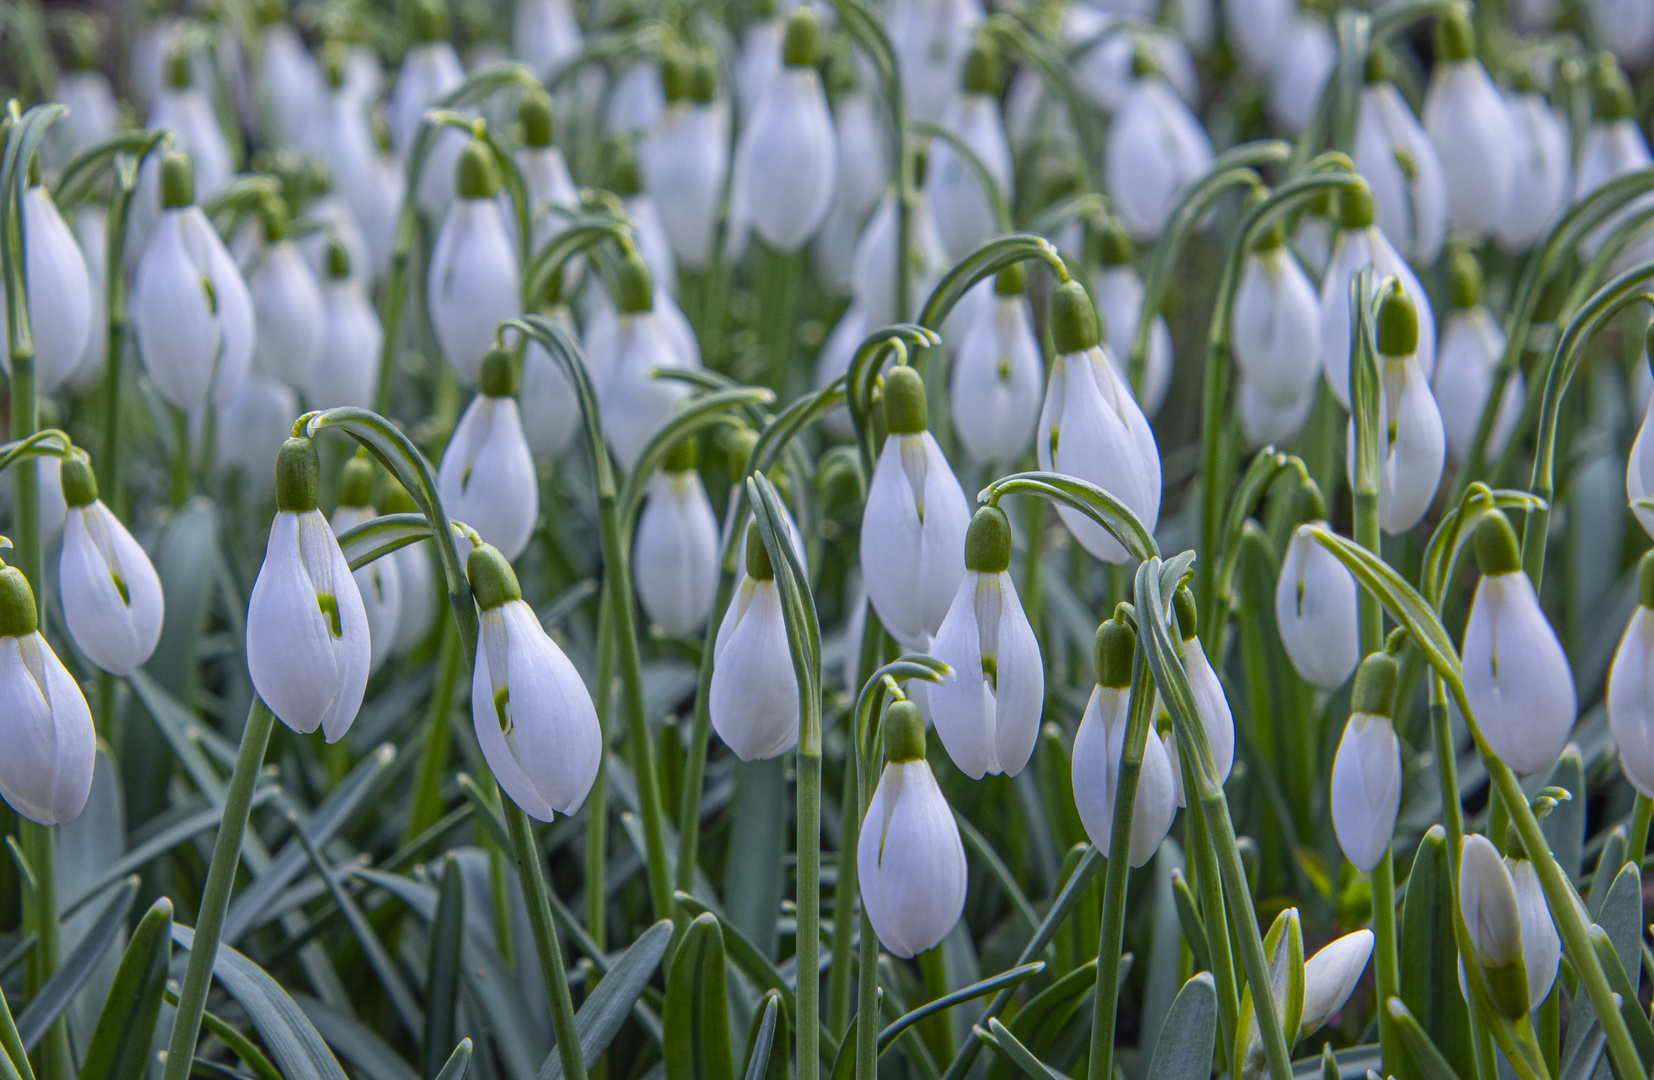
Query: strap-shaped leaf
column 1000, row 1037
column 1004, row 980
column 994, row 255
column 1089, row 499
column 378, row 537
column 119, row 1049
column 1428, row 1060
column 1191, row 1031
column 697, row 1007
column 1284, row 944
column 695, row 415
column 763, row 1063
column 605, row 1011
column 454, row 1068
column 1430, row 955
column 53, row 997
column 443, row 967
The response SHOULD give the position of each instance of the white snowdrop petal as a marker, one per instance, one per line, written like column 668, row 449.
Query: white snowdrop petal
column 473, row 284
column 1315, row 613
column 1330, row 977
column 1366, row 789
column 1517, row 678
column 754, row 695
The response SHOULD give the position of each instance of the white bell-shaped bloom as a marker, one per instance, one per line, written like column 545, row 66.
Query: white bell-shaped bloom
column 1366, row 772
column 184, row 110
column 1106, row 44
column 787, row 160
column 1360, row 242
column 368, row 179
column 1304, row 62
column 289, row 83
column 550, row 189
column 474, row 283
column 1120, row 292
column 1541, row 946
column 933, row 39
column 487, row 477
column 988, row 713
column 1472, row 345
column 347, row 372
column 290, row 313
column 1517, row 679
column 545, row 35
column 1614, row 146
column 998, row 376
column 534, row 718
column 684, row 165
column 379, row 583
column 913, row 530
column 964, row 213
column 111, row 594
column 547, row 400
column 676, row 550
column 430, row 71
column 192, row 316
column 334, row 220
column 92, row 234
column 760, row 57
column 1315, row 611
column 1492, row 915
column 1330, row 977
column 59, row 290
column 251, row 427
column 637, row 100
column 1275, row 328
column 1255, row 30
column 94, row 116
column 1631, row 690
column 1210, row 701
column 1542, row 170
column 1268, row 422
column 873, row 268
column 307, row 632
column 634, row 404
column 862, row 157
column 1156, row 148
column 1091, row 427
column 910, row 862
column 1470, row 126
column 46, row 771
column 1412, row 445
column 1403, row 171
column 753, row 699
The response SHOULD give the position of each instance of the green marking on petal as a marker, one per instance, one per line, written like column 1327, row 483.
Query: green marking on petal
column 502, row 709
column 212, row 294
column 120, row 587
column 330, row 607
column 990, row 671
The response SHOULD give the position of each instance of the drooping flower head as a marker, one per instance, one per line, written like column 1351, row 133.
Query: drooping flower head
column 111, row 594
column 1366, row 773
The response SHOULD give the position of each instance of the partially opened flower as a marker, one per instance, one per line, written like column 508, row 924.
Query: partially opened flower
column 487, row 477
column 347, row 372
column 1156, row 148
column 932, row 39
column 1471, row 130
column 676, row 551
column 786, row 163
column 965, row 215
column 192, row 316
column 1099, row 748
column 625, row 179
column 753, row 700
column 549, row 187
column 59, row 289
column 1517, row 679
column 474, row 284
column 430, row 72
column 997, row 375
column 251, row 427
column 94, row 115
column 1493, row 918
column 760, row 55
column 873, row 266
column 1366, row 773
column 46, row 771
column 548, row 402
column 913, row 530
column 1091, row 426
column 1400, row 165
column 307, row 632
column 1330, row 977
column 289, row 80
column 111, row 594
column 287, row 304
column 1541, row 946
column 1315, row 601
column 909, row 858
column 1120, row 294
column 1304, row 62
column 988, row 713
column 534, row 718
column 379, row 582
column 1472, row 346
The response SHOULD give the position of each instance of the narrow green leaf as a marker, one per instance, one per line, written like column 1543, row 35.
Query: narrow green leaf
column 378, row 537
column 454, row 1068
column 697, row 1007
column 120, row 1044
column 604, row 1013
column 442, row 972
column 1018, row 1054
column 363, row 1050
column 1003, row 980
column 53, row 997
column 1428, row 1060
column 1194, row 927
column 1193, row 1024
column 1430, row 956
column 763, row 1063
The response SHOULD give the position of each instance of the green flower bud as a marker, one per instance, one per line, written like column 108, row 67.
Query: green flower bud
column 1611, row 99
column 429, row 20
column 905, row 412
column 1112, row 653
column 675, row 73
column 18, row 617
column 1356, row 209
column 178, row 69
column 298, row 476
column 1307, row 503
column 988, row 542
column 535, row 115
column 1455, row 37
column 1381, row 66
column 738, row 447
column 396, row 500
column 904, row 733
column 982, row 68
column 634, row 289
column 683, row 457
column 1075, row 324
column 80, row 484
column 338, row 260
column 703, row 78
column 1117, row 246
column 1374, row 692
column 1009, row 281
column 1183, row 605
column 1466, row 283
column 334, row 55
column 1142, row 62
column 356, row 482
column 1398, row 323
column 799, row 47
column 1496, row 548
column 493, row 582
column 625, row 179
column 177, row 180
column 475, row 176
column 758, row 556
column 1273, row 238
column 498, row 377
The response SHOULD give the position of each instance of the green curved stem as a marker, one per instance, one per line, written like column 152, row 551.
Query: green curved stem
column 990, row 187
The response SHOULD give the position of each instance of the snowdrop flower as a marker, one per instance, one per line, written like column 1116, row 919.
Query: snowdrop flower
column 1090, row 427
column 46, row 772
column 534, row 718
column 92, row 234
column 988, row 713
column 287, row 305
column 685, row 159
column 1400, row 165
column 834, row 357
column 637, row 100
column 1614, row 146
column 913, row 530
column 364, row 174
column 873, row 268
column 347, row 372
column 787, row 160
column 111, row 595
column 545, row 35
column 307, row 631
column 1267, row 422
column 183, row 109
column 1330, row 977
column 1210, row 701
column 331, row 218
column 1105, row 71
column 379, row 583
column 416, row 616
column 430, row 71
column 1315, row 601
column 252, row 426
column 1304, row 62
column 1366, row 773
column 289, row 80
column 545, row 174
column 1472, row 346
column 1493, row 916
column 1360, row 242
column 1541, row 946
column 1276, row 325
column 648, row 230
column 675, row 555
column 59, row 291
column 964, row 213
column 1120, row 294
column 546, row 398
column 1516, row 676
column 94, row 116
column 1631, row 688
column 753, row 700
column 760, row 58
column 474, row 283
column 487, row 478
column 1255, row 29
column 1542, row 167
column 1316, row 233
column 1468, row 123
column 1156, row 148
column 191, row 313
column 997, row 376
column 909, row 859
column 1412, row 443
column 932, row 39
column 634, row 404
column 863, row 175
column 1099, row 746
